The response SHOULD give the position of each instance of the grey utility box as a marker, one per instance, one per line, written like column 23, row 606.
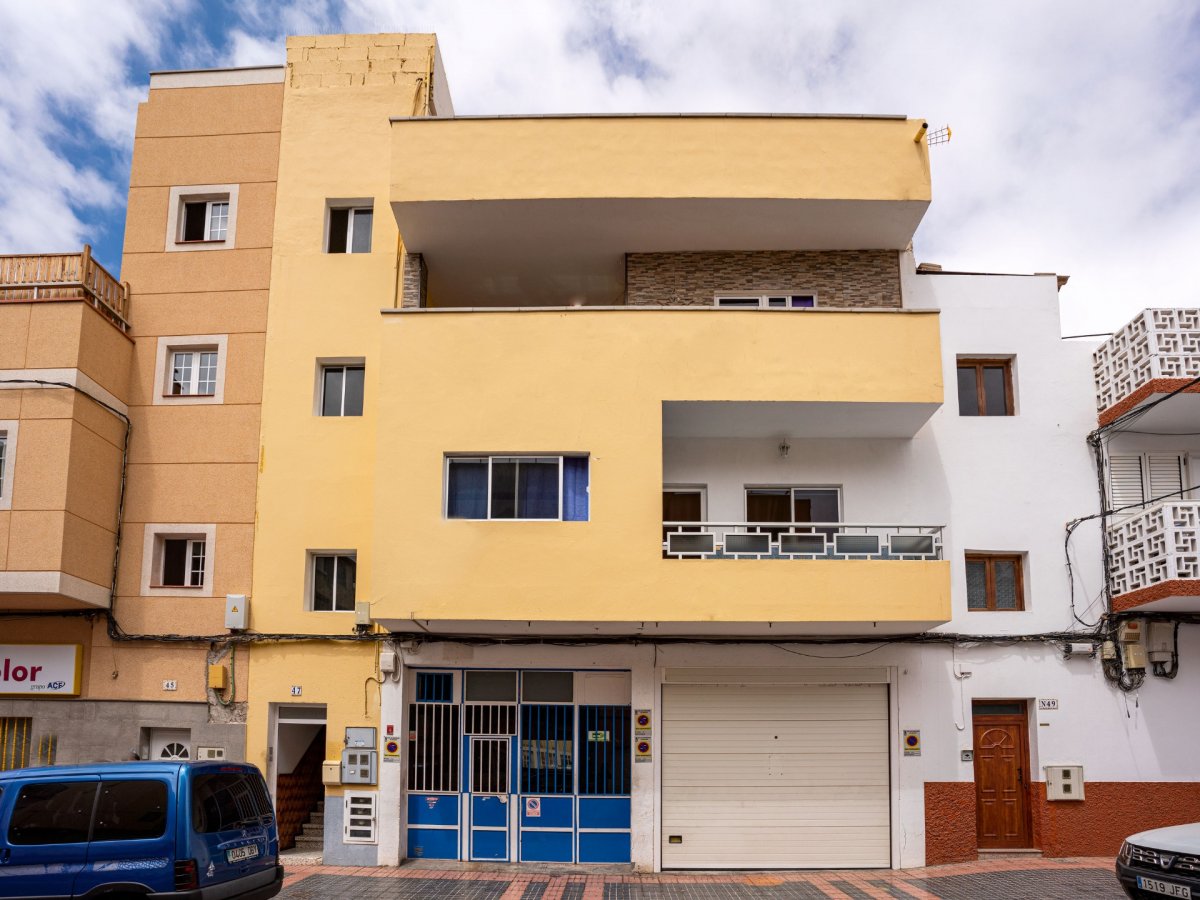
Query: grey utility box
column 360, row 766
column 237, row 612
column 360, row 738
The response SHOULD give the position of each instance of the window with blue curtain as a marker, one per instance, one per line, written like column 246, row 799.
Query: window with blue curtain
column 517, row 487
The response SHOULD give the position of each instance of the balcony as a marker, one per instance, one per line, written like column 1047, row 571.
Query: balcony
column 1156, row 353
column 546, row 208
column 788, row 541
column 1156, row 559
column 54, row 277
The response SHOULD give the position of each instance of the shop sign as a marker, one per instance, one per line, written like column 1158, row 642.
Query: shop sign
column 41, row 670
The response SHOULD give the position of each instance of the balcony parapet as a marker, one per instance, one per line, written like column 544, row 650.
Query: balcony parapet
column 1157, row 352
column 810, row 540
column 48, row 277
column 1156, row 556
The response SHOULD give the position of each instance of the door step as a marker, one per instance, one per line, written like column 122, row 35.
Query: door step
column 1031, row 853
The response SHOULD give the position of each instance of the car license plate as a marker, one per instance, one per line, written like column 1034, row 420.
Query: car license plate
column 250, row 851
column 1154, row 886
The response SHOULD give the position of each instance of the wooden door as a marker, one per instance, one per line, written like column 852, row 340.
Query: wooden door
column 681, row 505
column 1002, row 776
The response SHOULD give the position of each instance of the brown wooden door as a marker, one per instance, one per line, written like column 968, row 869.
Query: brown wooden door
column 1002, row 778
column 681, row 506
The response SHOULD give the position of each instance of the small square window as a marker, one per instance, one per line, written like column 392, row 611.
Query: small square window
column 190, row 369
column 181, row 562
column 204, row 220
column 350, row 229
column 342, row 390
column 193, row 373
column 334, row 578
column 985, row 387
column 782, row 300
column 995, row 583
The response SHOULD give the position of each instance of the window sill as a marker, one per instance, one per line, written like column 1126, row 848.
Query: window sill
column 187, row 396
column 176, row 587
column 205, row 241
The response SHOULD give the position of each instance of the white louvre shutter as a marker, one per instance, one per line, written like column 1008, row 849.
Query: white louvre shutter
column 1125, row 480
column 1166, row 476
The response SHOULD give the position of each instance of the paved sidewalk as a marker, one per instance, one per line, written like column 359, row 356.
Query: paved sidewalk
column 1016, row 879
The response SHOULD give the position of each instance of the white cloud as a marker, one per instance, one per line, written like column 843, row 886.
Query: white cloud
column 1075, row 125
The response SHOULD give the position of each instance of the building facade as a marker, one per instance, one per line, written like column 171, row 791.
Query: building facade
column 605, row 489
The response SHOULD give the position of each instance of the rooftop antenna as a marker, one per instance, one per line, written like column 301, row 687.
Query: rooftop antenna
column 940, row 136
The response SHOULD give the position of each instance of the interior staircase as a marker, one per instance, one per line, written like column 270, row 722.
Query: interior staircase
column 311, row 838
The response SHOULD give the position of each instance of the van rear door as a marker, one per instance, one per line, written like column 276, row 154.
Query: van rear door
column 44, row 838
column 133, row 842
column 232, row 825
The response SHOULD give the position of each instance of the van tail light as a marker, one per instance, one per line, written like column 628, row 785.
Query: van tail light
column 187, row 876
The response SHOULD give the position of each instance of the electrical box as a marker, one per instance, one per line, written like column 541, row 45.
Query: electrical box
column 360, row 766
column 362, row 614
column 1130, row 631
column 210, row 753
column 331, row 772
column 1160, row 641
column 360, row 738
column 237, row 612
column 1080, row 649
column 1135, row 656
column 1064, row 782
column 1108, row 651
column 387, row 661
column 218, row 677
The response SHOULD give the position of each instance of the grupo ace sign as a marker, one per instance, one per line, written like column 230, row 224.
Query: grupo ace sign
column 45, row 670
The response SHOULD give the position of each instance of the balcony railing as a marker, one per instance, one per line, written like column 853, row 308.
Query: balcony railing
column 810, row 540
column 1157, row 545
column 64, row 276
column 1158, row 343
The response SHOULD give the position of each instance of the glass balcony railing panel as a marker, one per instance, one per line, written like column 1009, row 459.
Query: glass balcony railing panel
column 808, row 540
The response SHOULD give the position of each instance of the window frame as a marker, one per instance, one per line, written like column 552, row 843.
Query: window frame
column 195, row 366
column 196, row 548
column 979, row 363
column 764, row 299
column 310, row 592
column 8, row 460
column 210, row 195
column 352, row 208
column 154, row 548
column 791, row 489
column 990, row 559
column 164, row 368
column 449, row 458
column 323, row 365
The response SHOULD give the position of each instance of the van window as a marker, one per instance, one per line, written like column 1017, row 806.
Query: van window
column 131, row 811
column 225, row 801
column 52, row 813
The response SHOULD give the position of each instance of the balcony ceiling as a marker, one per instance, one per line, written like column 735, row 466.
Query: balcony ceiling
column 783, row 420
column 561, row 629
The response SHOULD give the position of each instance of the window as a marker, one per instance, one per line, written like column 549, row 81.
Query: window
column 766, row 301
column 994, row 583
column 193, row 373
column 342, row 390
column 1139, row 479
column 517, row 487
column 57, row 812
column 3, row 466
column 985, row 387
column 204, row 220
column 793, row 504
column 228, row 801
column 349, row 229
column 182, row 563
column 130, row 811
column 333, row 582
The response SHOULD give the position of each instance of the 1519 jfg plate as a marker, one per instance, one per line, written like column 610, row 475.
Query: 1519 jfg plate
column 238, row 854
column 1154, row 886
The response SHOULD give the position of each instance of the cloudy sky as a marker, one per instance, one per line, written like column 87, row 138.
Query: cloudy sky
column 1076, row 123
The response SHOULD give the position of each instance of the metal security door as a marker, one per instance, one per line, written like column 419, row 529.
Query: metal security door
column 489, row 764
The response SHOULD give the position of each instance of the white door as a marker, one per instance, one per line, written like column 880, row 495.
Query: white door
column 775, row 776
column 170, row 743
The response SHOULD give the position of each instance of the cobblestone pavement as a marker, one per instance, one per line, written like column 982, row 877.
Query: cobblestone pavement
column 1018, row 879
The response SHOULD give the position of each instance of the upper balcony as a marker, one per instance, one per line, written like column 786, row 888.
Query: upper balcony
column 518, row 211
column 1156, row 559
column 1155, row 354
column 56, row 277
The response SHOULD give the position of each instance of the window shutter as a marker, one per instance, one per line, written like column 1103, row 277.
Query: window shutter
column 1125, row 480
column 359, row 819
column 1165, row 475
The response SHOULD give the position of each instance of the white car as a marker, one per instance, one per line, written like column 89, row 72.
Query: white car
column 1164, row 862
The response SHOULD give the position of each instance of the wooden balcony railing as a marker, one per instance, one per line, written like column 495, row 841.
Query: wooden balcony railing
column 64, row 276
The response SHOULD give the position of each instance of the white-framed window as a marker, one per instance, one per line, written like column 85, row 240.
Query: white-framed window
column 8, row 446
column 779, row 300
column 177, row 560
column 348, row 226
column 1138, row 480
column 359, row 817
column 191, row 369
column 340, row 387
column 202, row 217
column 510, row 487
column 332, row 580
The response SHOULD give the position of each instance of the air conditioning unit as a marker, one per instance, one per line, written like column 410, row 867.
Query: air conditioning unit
column 210, row 753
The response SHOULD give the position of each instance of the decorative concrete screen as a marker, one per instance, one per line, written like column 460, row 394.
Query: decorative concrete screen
column 1158, row 343
column 1158, row 545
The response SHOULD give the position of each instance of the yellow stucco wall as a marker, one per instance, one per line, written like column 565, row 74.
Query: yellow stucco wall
column 659, row 156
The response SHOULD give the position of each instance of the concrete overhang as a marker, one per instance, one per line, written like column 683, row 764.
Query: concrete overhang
column 542, row 210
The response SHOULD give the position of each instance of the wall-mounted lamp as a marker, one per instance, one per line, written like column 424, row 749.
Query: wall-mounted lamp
column 784, row 449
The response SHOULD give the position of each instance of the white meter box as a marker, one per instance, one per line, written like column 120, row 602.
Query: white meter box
column 1064, row 782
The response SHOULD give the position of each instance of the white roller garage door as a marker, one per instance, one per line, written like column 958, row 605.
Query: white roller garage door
column 765, row 776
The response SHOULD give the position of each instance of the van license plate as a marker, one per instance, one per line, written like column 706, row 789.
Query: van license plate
column 237, row 854
column 1154, row 886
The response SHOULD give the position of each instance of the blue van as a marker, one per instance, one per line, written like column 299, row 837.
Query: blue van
column 120, row 831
